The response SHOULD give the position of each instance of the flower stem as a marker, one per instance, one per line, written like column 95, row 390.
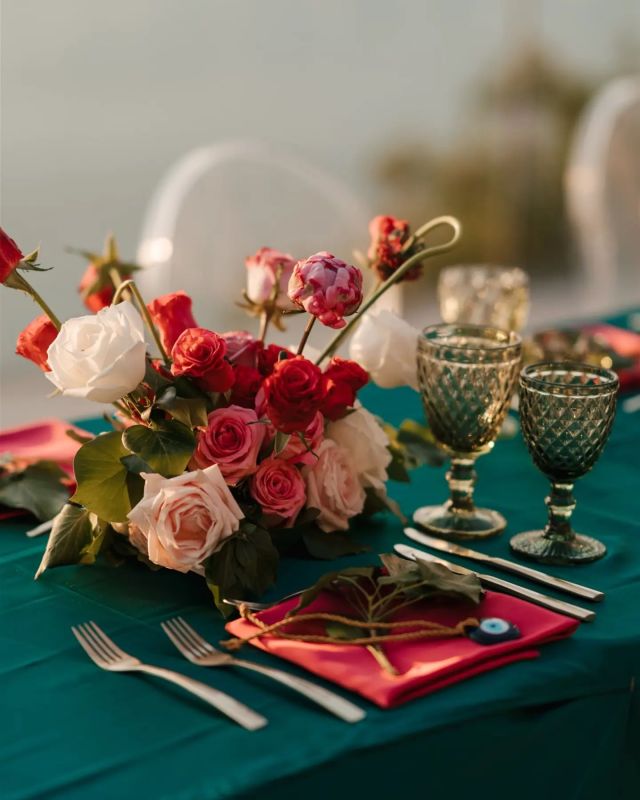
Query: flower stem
column 144, row 311
column 18, row 281
column 305, row 335
column 265, row 319
column 397, row 276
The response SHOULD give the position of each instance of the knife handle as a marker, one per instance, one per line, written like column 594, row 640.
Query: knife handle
column 561, row 606
column 548, row 580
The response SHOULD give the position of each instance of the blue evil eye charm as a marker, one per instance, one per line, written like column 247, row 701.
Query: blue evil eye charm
column 493, row 630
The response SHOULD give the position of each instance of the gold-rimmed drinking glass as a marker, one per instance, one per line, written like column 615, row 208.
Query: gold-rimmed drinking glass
column 484, row 294
column 467, row 375
column 566, row 413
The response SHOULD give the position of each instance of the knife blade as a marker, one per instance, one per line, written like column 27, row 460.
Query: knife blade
column 509, row 566
column 561, row 606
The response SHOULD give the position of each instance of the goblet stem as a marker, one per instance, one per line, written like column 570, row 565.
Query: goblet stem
column 560, row 503
column 462, row 480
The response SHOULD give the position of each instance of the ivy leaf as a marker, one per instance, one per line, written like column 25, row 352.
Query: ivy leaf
column 247, row 563
column 166, row 447
column 37, row 489
column 327, row 581
column 105, row 486
column 76, row 537
column 419, row 445
column 437, row 580
column 327, row 546
column 191, row 411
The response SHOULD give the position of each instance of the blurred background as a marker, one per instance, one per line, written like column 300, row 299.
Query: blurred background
column 417, row 108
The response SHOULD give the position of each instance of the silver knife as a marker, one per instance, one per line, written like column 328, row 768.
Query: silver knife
column 561, row 606
column 502, row 563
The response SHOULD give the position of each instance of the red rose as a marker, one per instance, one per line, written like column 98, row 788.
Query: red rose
column 343, row 379
column 293, row 393
column 10, row 256
column 247, row 385
column 388, row 238
column 200, row 354
column 35, row 339
column 99, row 298
column 269, row 356
column 171, row 314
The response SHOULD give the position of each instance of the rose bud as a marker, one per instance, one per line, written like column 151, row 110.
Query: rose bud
column 279, row 489
column 264, row 268
column 232, row 440
column 171, row 315
column 327, row 288
column 388, row 238
column 343, row 380
column 292, row 394
column 200, row 354
column 10, row 256
column 242, row 348
column 34, row 341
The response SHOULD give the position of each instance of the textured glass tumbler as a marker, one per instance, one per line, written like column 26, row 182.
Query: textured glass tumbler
column 467, row 375
column 566, row 413
column 483, row 294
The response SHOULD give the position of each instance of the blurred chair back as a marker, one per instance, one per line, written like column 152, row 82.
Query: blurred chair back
column 603, row 194
column 219, row 204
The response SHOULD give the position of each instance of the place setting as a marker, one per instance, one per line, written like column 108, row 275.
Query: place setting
column 225, row 453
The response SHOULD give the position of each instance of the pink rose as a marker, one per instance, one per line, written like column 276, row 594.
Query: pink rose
column 181, row 521
column 232, row 440
column 333, row 487
column 264, row 269
column 302, row 452
column 279, row 488
column 171, row 314
column 327, row 288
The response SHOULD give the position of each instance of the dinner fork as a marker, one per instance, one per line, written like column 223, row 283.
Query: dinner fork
column 199, row 651
column 107, row 655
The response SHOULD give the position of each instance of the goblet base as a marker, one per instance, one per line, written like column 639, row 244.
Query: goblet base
column 535, row 546
column 448, row 524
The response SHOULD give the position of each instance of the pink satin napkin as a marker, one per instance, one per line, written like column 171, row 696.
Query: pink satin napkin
column 44, row 440
column 425, row 665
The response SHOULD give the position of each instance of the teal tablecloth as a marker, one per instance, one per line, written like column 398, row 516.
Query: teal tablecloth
column 566, row 725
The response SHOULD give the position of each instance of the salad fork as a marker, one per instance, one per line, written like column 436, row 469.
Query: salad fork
column 199, row 651
column 107, row 655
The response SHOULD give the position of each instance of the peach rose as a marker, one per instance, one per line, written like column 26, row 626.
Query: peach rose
column 232, row 440
column 183, row 520
column 333, row 487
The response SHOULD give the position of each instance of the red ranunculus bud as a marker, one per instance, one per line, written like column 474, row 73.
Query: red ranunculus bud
column 171, row 314
column 292, row 394
column 96, row 300
column 200, row 354
column 343, row 379
column 34, row 341
column 386, row 254
column 10, row 256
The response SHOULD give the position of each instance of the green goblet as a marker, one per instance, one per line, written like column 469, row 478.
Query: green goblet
column 566, row 413
column 467, row 375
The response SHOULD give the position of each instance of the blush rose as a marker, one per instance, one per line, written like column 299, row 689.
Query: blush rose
column 232, row 440
column 279, row 488
column 333, row 487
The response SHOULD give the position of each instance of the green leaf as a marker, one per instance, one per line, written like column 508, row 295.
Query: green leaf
column 37, row 489
column 76, row 537
column 327, row 546
column 247, row 563
column 280, row 442
column 338, row 630
column 79, row 437
column 166, row 447
column 105, row 486
column 191, row 411
column 327, row 581
column 437, row 580
column 419, row 445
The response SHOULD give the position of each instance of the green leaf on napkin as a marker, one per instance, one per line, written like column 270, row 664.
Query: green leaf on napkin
column 429, row 579
column 166, row 447
column 105, row 485
column 38, row 488
column 247, row 563
column 76, row 537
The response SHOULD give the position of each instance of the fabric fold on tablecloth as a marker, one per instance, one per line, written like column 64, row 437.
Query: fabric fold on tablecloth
column 425, row 665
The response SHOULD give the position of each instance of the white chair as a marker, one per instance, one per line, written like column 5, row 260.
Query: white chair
column 219, row 204
column 602, row 185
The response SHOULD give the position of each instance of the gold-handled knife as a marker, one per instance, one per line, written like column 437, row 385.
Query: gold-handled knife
column 561, row 606
column 502, row 563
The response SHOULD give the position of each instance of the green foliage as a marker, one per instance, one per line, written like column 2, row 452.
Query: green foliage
column 76, row 538
column 327, row 546
column 38, row 489
column 166, row 446
column 412, row 445
column 190, row 411
column 247, row 563
column 105, row 485
column 430, row 580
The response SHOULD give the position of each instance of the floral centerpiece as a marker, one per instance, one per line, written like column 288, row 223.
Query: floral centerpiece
column 226, row 451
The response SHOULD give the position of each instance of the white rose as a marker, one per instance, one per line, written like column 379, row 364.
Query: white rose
column 385, row 345
column 333, row 487
column 181, row 521
column 100, row 356
column 363, row 438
